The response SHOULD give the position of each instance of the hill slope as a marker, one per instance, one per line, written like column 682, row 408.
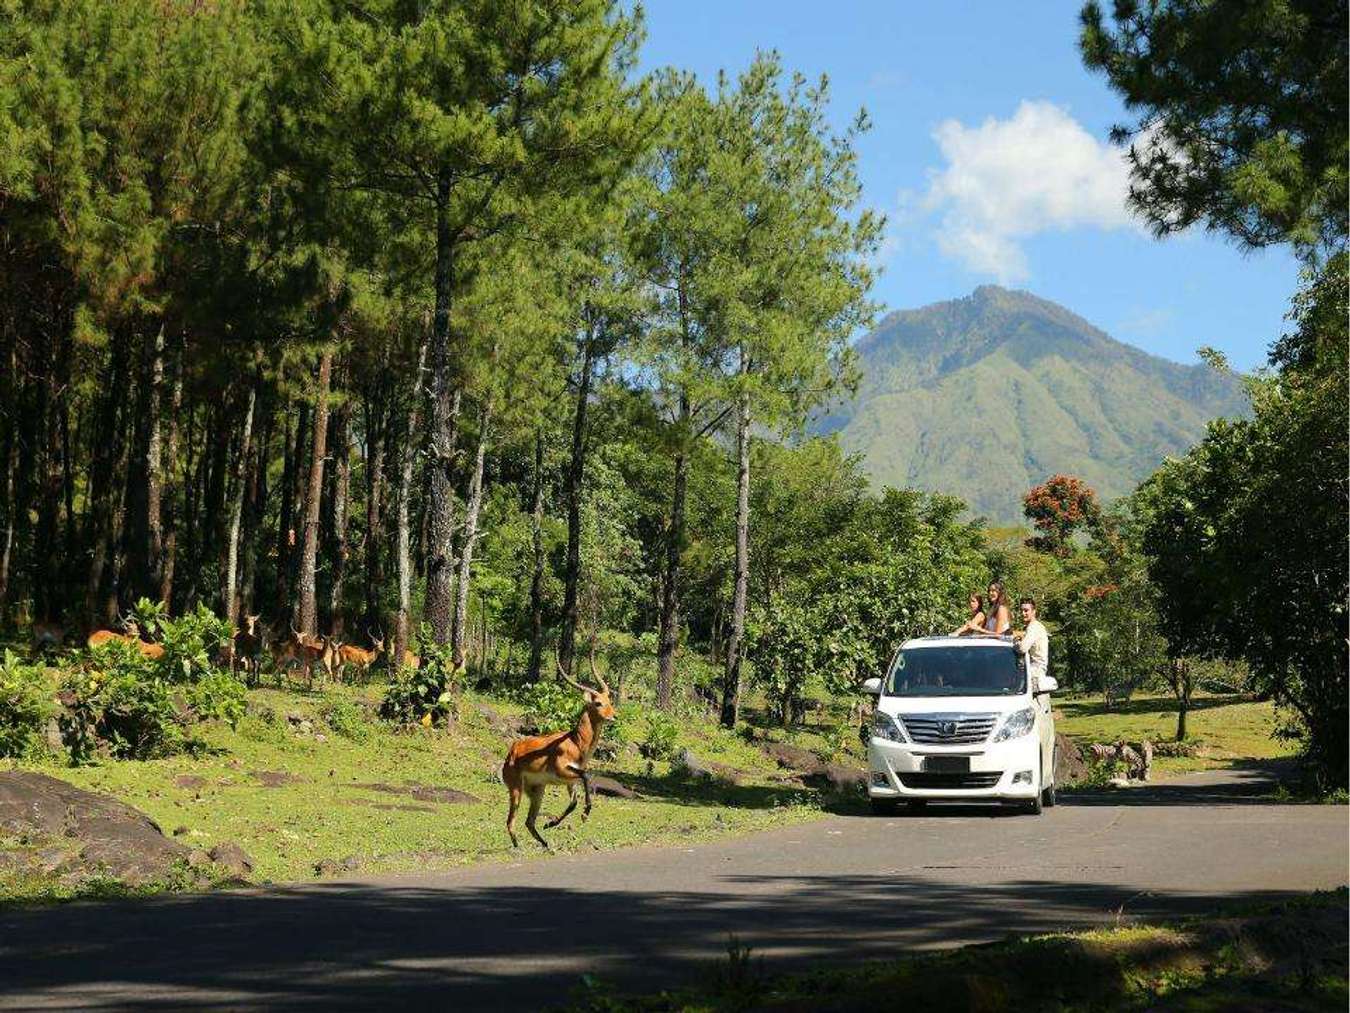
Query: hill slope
column 983, row 397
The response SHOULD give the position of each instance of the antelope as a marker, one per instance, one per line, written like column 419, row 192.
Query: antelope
column 131, row 636
column 350, row 654
column 248, row 644
column 300, row 649
column 534, row 763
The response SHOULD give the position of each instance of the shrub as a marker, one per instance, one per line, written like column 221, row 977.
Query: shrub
column 549, row 705
column 660, row 740
column 345, row 718
column 417, row 696
column 25, row 706
column 191, row 642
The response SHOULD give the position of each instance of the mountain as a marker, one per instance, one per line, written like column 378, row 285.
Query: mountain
column 985, row 396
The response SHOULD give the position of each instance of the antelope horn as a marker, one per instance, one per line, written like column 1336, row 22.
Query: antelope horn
column 604, row 686
column 565, row 677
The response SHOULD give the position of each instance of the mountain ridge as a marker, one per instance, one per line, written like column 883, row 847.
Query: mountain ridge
column 986, row 395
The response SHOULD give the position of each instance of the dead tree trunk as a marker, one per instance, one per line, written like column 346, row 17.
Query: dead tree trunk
column 152, row 579
column 306, row 618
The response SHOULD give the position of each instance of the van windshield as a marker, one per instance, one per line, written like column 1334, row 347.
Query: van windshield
column 957, row 671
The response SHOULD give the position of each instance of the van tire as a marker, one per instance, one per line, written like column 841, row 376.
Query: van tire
column 1035, row 806
column 1048, row 792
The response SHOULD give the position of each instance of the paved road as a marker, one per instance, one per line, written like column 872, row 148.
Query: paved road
column 518, row 936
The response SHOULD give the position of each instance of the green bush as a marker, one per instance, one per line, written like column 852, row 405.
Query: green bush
column 417, row 696
column 132, row 707
column 345, row 718
column 550, row 705
column 25, row 706
column 662, row 734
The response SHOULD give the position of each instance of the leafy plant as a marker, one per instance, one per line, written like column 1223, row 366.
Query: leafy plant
column 25, row 706
column 418, row 696
column 662, row 736
column 345, row 718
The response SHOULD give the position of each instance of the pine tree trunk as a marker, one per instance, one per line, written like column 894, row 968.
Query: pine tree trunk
column 290, row 436
column 575, row 478
column 403, row 540
column 152, row 580
column 440, row 603
column 11, row 506
column 307, row 612
column 255, row 507
column 473, row 505
column 103, row 486
column 669, row 635
column 373, row 557
column 342, row 463
column 170, row 507
column 731, row 690
column 537, row 574
column 228, row 592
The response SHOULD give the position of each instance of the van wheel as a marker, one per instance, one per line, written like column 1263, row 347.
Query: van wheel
column 1034, row 807
column 883, row 806
column 1048, row 792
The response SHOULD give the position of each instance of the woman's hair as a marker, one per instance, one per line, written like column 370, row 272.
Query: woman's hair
column 977, row 598
column 997, row 585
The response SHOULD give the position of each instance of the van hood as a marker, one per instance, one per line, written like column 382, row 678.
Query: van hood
column 897, row 706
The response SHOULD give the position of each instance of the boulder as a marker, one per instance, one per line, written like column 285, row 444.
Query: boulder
column 691, row 765
column 82, row 834
column 232, row 858
column 611, row 788
column 1070, row 766
column 1137, row 757
column 793, row 757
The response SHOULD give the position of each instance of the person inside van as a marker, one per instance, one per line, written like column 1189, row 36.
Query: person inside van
column 1033, row 642
column 997, row 618
column 975, row 623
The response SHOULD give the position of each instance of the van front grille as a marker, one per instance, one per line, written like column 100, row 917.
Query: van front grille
column 948, row 729
column 981, row 779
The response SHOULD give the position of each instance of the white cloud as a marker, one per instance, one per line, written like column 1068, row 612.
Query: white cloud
column 1006, row 180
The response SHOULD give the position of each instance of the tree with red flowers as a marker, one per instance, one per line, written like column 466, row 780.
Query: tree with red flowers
column 1058, row 508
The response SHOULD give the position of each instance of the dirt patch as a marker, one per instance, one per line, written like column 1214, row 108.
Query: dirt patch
column 421, row 792
column 189, row 781
column 77, row 835
column 402, row 807
column 276, row 778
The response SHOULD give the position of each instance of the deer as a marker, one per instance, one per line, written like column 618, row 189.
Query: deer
column 132, row 636
column 534, row 763
column 350, row 654
column 248, row 644
column 305, row 650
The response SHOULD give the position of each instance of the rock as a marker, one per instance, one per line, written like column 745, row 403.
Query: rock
column 179, row 831
column 83, row 833
column 839, row 777
column 691, row 765
column 503, row 724
column 1137, row 761
column 232, row 858
column 294, row 717
column 1070, row 766
column 320, row 737
column 793, row 757
column 326, row 867
column 51, row 734
column 611, row 788
column 304, row 727
column 198, row 859
column 1146, row 752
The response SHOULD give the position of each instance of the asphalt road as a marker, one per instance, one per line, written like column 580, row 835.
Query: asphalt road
column 518, row 936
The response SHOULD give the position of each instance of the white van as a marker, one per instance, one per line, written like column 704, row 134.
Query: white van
column 957, row 721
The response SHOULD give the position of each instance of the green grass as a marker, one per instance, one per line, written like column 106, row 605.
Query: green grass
column 1222, row 729
column 1285, row 957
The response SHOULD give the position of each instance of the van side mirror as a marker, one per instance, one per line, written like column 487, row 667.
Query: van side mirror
column 1046, row 684
column 872, row 686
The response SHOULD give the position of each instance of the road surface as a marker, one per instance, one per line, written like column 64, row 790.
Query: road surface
column 518, row 936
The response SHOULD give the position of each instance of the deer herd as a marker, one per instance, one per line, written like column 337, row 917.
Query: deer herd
column 532, row 764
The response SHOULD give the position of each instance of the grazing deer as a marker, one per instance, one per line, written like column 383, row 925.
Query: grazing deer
column 359, row 658
column 534, row 763
column 132, row 636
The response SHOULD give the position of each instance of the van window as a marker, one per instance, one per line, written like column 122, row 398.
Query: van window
column 957, row 670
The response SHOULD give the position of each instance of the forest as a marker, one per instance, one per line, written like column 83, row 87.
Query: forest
column 441, row 328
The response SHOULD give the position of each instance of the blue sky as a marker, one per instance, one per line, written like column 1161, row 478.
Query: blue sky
column 989, row 156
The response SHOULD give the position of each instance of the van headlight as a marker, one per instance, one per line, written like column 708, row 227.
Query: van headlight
column 886, row 727
column 1019, row 723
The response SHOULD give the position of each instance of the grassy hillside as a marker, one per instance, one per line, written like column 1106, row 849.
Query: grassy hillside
column 985, row 396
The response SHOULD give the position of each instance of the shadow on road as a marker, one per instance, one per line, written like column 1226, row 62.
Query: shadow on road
column 1248, row 782
column 348, row 946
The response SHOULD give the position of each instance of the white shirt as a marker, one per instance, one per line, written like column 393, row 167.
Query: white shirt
column 1035, row 644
